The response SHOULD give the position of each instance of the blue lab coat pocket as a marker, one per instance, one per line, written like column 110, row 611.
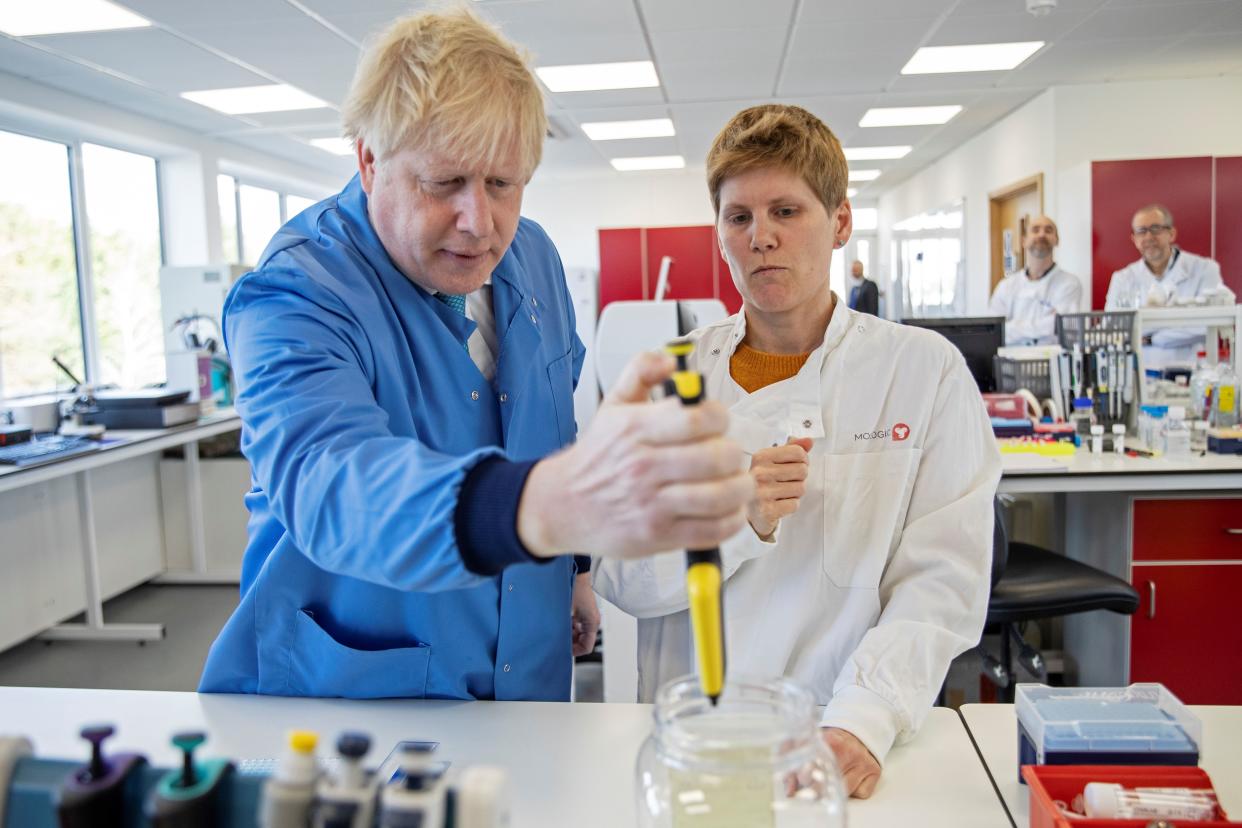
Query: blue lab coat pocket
column 561, row 378
column 319, row 665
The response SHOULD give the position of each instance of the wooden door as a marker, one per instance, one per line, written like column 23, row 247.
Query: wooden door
column 1012, row 208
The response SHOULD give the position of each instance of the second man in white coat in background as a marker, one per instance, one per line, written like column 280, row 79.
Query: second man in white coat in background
column 865, row 569
column 1030, row 299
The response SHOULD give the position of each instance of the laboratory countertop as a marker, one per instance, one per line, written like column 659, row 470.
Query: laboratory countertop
column 123, row 444
column 569, row 764
column 994, row 728
column 1111, row 472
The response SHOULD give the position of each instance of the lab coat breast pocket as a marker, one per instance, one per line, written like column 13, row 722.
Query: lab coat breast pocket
column 561, row 380
column 866, row 496
column 319, row 665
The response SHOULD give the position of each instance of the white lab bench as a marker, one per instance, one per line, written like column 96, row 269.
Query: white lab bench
column 994, row 728
column 569, row 764
column 95, row 520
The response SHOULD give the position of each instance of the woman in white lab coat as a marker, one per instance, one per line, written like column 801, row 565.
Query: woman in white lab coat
column 866, row 567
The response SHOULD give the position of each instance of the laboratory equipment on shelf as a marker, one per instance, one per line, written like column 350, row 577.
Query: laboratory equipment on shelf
column 756, row 759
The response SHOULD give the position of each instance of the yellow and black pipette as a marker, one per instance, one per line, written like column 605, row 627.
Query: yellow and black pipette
column 703, row 577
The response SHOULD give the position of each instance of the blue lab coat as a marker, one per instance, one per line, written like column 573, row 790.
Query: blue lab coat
column 362, row 412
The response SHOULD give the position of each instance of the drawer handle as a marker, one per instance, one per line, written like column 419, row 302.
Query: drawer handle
column 1233, row 531
column 1151, row 599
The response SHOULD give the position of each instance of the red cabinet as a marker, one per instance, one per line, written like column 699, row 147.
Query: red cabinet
column 1187, row 633
column 629, row 265
column 1187, row 568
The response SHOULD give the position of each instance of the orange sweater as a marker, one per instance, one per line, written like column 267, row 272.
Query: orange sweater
column 753, row 369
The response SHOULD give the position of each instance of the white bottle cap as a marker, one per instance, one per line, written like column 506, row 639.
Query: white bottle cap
column 1097, row 430
column 1100, row 799
column 1119, row 428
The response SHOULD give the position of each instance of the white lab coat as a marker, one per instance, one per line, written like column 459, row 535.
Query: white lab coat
column 1186, row 277
column 1031, row 307
column 882, row 576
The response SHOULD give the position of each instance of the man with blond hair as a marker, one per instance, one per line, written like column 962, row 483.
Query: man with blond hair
column 866, row 567
column 406, row 360
column 1031, row 298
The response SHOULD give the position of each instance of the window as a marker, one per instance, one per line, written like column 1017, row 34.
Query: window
column 39, row 309
column 929, row 263
column 296, row 204
column 226, row 195
column 123, row 214
column 259, row 220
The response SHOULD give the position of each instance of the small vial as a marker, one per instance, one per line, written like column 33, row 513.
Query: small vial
column 1097, row 439
column 1111, row 801
column 1119, row 438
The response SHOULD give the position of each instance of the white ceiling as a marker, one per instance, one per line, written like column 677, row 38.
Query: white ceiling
column 836, row 57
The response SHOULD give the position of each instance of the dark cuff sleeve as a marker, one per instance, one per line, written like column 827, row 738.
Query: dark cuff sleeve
column 583, row 563
column 485, row 521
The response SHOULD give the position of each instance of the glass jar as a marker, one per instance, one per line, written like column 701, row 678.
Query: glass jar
column 754, row 760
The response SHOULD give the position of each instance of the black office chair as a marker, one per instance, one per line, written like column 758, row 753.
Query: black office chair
column 1030, row 583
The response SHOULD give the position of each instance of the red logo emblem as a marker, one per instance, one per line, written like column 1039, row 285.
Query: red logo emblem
column 900, row 432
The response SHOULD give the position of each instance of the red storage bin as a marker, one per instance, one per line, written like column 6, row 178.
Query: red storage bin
column 1049, row 783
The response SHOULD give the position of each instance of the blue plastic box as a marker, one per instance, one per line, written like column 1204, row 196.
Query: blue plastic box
column 1143, row 724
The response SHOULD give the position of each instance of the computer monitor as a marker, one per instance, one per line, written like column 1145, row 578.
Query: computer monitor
column 977, row 337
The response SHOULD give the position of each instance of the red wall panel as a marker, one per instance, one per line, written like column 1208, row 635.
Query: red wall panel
column 724, row 284
column 692, row 249
column 1229, row 221
column 621, row 265
column 1118, row 188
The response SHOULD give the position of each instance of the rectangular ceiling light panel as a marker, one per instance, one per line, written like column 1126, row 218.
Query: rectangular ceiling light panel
column 588, row 77
column 619, row 130
column 908, row 116
column 980, row 57
column 336, row 146
column 45, row 17
column 875, row 153
column 245, row 100
column 864, row 175
column 650, row 162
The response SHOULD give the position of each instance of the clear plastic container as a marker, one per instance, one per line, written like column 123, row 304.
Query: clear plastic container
column 1176, row 434
column 1143, row 724
column 1225, row 397
column 755, row 760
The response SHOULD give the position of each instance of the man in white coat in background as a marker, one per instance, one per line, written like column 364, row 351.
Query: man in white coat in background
column 866, row 566
column 1163, row 275
column 1030, row 299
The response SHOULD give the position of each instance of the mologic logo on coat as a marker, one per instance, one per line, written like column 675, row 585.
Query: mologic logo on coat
column 899, row 432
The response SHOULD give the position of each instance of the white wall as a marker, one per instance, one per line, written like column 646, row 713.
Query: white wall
column 1060, row 133
column 1014, row 148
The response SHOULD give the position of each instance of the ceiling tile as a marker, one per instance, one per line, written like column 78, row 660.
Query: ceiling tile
column 666, row 16
column 1167, row 20
column 703, row 64
column 1008, row 27
column 154, row 57
column 243, row 14
column 842, row 11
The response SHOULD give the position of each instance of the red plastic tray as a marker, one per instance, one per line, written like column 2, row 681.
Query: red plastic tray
column 1048, row 783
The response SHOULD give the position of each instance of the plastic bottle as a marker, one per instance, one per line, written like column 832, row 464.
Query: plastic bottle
column 1225, row 397
column 290, row 792
column 1097, row 439
column 345, row 798
column 1082, row 416
column 1176, row 434
column 1119, row 438
column 1201, row 386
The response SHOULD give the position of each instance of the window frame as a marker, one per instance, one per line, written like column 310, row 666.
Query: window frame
column 87, row 321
